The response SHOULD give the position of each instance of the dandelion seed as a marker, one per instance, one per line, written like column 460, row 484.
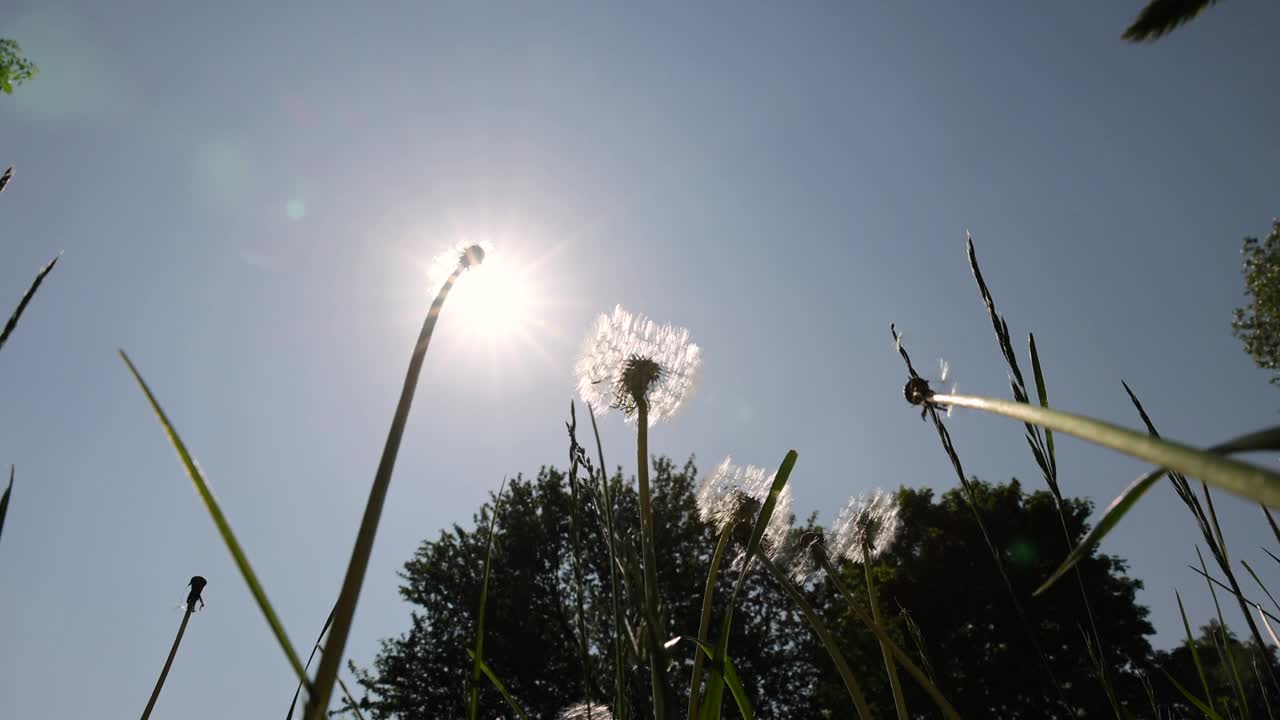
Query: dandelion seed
column 628, row 359
column 866, row 527
column 802, row 559
column 585, row 711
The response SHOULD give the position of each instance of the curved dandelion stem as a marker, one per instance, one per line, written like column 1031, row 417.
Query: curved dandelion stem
column 819, row 627
column 891, row 669
column 704, row 625
column 912, row 669
column 164, row 672
column 330, row 662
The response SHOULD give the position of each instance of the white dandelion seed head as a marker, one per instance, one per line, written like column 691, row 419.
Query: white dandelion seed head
column 723, row 494
column 803, row 565
column 448, row 260
column 777, row 534
column 626, row 353
column 585, row 711
column 869, row 521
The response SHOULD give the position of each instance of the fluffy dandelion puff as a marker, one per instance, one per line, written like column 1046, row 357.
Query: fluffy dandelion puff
column 801, row 560
column 585, row 711
column 466, row 253
column 628, row 358
column 732, row 495
column 869, row 522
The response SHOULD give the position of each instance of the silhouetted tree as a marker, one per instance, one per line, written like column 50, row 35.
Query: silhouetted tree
column 937, row 570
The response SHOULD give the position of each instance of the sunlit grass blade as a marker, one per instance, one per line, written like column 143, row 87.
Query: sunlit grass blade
column 4, row 500
column 26, row 299
column 1264, row 440
column 1209, row 712
column 314, row 649
column 824, row 634
column 473, row 705
column 497, row 684
column 704, row 623
column 731, row 678
column 353, row 581
column 224, row 528
column 1195, row 654
column 715, row 684
column 1243, row 479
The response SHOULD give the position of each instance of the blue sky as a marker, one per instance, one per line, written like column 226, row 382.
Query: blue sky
column 246, row 195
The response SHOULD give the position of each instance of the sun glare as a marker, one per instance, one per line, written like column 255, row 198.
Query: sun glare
column 493, row 300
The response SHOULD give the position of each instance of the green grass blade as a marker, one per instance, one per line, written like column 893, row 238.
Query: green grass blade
column 1264, row 440
column 1195, row 654
column 704, row 623
column 1243, row 479
column 1239, row 596
column 1224, row 649
column 502, row 689
column 1258, row 580
column 473, row 706
column 1042, row 394
column 1275, row 529
column 224, row 528
column 4, row 500
column 715, row 685
column 312, row 656
column 730, row 674
column 26, row 299
column 1209, row 712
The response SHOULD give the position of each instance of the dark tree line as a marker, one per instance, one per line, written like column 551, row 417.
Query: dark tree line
column 937, row 586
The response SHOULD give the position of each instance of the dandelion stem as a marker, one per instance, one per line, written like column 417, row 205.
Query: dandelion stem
column 168, row 662
column 876, row 629
column 899, row 703
column 819, row 627
column 650, row 563
column 318, row 702
column 704, row 625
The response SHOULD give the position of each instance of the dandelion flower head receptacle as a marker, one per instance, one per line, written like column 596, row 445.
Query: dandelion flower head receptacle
column 465, row 254
column 628, row 359
column 869, row 522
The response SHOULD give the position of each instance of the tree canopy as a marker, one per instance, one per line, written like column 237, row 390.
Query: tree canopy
column 940, row 596
column 14, row 68
column 1258, row 324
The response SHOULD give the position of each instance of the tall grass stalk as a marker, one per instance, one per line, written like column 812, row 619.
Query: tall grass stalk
column 12, row 324
column 473, row 704
column 820, row 628
column 314, row 649
column 886, row 643
column 197, row 584
column 318, row 702
column 1195, row 654
column 1041, row 446
column 1224, row 648
column 944, row 436
column 1247, row 601
column 4, row 500
column 575, row 531
column 704, row 623
column 620, row 707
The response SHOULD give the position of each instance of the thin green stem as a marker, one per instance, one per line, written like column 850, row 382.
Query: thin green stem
column 912, row 669
column 828, row 642
column 164, row 672
column 704, row 625
column 318, row 703
column 899, row 702
column 619, row 685
column 656, row 670
column 473, row 706
column 1234, row 476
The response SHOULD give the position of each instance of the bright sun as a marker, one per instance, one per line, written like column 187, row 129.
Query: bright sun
column 494, row 299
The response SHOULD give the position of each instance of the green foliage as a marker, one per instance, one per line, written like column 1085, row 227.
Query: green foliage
column 977, row 652
column 1160, row 17
column 14, row 68
column 1216, row 642
column 1258, row 325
